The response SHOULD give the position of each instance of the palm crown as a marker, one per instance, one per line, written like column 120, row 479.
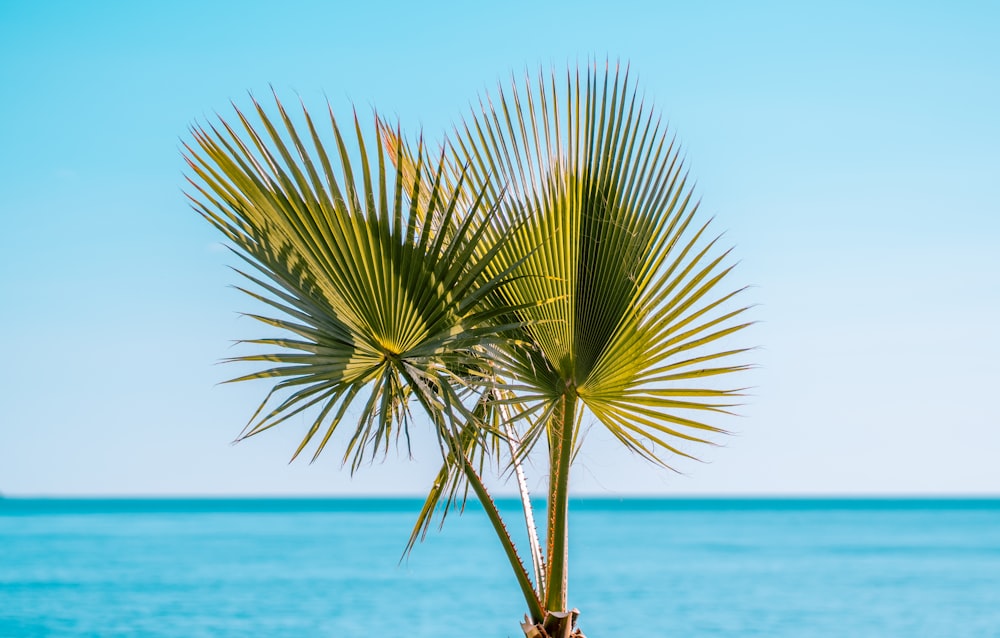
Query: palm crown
column 547, row 264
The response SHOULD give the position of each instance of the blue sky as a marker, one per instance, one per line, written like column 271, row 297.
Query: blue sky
column 850, row 150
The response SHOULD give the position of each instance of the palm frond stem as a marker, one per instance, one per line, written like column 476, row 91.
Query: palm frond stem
column 513, row 441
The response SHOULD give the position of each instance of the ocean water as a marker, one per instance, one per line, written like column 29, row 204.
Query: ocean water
column 649, row 568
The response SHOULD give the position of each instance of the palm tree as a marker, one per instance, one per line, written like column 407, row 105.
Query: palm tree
column 547, row 266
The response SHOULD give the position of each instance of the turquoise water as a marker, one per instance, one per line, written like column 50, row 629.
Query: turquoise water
column 691, row 568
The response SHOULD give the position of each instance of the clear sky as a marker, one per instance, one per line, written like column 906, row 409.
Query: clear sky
column 851, row 149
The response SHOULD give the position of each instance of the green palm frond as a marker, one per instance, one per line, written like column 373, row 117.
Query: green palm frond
column 637, row 286
column 377, row 304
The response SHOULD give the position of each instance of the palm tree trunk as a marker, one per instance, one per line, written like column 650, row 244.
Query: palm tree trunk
column 557, row 545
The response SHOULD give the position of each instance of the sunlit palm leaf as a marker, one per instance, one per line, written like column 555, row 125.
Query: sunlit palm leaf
column 380, row 306
column 639, row 289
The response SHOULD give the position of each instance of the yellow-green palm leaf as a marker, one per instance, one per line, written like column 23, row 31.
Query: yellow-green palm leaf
column 640, row 313
column 377, row 305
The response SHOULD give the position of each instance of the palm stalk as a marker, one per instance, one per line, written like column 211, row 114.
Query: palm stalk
column 560, row 453
column 513, row 443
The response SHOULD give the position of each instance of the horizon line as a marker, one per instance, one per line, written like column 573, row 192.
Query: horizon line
column 514, row 496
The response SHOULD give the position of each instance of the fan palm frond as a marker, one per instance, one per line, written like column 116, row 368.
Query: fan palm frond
column 637, row 285
column 377, row 304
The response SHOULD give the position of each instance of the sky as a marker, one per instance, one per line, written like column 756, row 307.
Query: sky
column 851, row 151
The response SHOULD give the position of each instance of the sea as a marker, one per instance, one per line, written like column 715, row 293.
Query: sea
column 692, row 568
